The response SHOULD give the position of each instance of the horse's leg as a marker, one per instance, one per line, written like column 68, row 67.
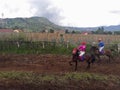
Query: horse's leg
column 93, row 59
column 99, row 59
column 88, row 62
column 70, row 63
column 88, row 65
column 76, row 63
column 109, row 58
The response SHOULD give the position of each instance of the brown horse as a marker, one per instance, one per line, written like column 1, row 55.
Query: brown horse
column 95, row 51
column 75, row 58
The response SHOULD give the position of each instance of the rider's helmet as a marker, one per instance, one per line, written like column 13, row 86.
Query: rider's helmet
column 83, row 43
column 93, row 43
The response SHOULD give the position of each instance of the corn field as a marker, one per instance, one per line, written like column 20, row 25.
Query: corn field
column 72, row 38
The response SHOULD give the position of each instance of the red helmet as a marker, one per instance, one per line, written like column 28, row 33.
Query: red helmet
column 83, row 43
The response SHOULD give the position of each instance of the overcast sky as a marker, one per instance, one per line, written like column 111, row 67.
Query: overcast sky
column 80, row 13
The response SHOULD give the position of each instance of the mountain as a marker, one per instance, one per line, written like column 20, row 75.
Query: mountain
column 32, row 24
column 38, row 24
column 112, row 28
column 106, row 28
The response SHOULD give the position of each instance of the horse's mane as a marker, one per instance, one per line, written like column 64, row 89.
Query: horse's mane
column 93, row 49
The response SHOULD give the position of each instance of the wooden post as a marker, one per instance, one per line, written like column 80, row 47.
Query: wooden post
column 67, row 44
column 118, row 47
column 18, row 45
column 43, row 44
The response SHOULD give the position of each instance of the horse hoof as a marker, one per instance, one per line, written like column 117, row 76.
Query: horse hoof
column 88, row 67
column 70, row 64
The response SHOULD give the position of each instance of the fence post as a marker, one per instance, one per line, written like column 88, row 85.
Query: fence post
column 43, row 44
column 118, row 47
column 67, row 44
column 18, row 45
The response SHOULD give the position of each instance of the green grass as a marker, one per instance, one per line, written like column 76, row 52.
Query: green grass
column 35, row 48
column 36, row 79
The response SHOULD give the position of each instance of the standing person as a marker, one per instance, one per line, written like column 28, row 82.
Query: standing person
column 101, row 45
column 82, row 49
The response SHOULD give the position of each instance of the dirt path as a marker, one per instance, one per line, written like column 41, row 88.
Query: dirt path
column 53, row 64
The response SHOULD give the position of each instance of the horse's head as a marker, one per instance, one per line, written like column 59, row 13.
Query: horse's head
column 94, row 49
column 74, row 51
column 75, row 54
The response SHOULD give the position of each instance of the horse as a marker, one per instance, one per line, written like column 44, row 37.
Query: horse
column 75, row 58
column 94, row 50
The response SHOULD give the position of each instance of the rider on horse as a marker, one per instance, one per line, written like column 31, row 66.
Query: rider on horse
column 82, row 49
column 101, row 45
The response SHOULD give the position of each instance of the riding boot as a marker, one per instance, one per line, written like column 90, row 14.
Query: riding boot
column 102, row 52
column 82, row 58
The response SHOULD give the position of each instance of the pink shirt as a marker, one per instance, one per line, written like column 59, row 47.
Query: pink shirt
column 82, row 47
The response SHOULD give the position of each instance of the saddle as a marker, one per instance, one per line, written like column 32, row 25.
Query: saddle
column 102, row 52
column 81, row 58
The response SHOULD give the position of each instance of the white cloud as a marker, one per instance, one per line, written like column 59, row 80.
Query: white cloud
column 65, row 12
column 12, row 8
column 89, row 12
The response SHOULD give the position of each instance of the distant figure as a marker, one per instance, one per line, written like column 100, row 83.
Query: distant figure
column 93, row 48
column 101, row 46
column 16, row 31
column 82, row 49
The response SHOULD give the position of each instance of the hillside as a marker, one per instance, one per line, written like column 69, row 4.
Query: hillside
column 106, row 28
column 32, row 24
column 38, row 24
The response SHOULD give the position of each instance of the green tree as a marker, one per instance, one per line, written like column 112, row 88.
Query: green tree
column 66, row 31
column 73, row 31
column 51, row 31
column 100, row 30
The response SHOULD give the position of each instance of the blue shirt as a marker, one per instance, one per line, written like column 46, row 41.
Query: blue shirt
column 101, row 44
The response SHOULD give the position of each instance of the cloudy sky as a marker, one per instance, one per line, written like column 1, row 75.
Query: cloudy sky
column 80, row 13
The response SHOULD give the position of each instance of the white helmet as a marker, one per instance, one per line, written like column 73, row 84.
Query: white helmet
column 93, row 43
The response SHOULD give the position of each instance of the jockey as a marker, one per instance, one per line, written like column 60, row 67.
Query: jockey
column 82, row 49
column 100, row 45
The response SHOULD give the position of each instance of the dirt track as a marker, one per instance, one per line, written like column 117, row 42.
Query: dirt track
column 54, row 64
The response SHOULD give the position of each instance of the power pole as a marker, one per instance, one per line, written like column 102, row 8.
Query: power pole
column 1, row 20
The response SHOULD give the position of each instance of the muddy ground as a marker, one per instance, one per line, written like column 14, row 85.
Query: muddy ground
column 54, row 64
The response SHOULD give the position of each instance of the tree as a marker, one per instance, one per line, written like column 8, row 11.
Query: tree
column 51, row 31
column 66, row 31
column 43, row 31
column 15, row 27
column 100, row 30
column 73, row 31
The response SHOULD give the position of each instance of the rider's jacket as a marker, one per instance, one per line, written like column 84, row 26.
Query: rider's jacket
column 101, row 44
column 82, row 47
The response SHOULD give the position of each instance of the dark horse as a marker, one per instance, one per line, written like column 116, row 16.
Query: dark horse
column 75, row 58
column 106, row 52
